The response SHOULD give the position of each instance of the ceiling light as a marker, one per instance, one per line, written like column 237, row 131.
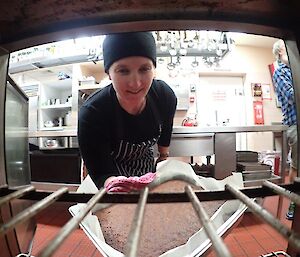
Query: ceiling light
column 182, row 51
column 173, row 52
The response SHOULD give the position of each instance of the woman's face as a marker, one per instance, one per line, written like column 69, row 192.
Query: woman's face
column 131, row 78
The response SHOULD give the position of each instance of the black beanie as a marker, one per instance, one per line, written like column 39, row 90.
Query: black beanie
column 121, row 45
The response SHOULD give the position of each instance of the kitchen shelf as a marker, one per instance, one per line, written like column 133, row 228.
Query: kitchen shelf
column 258, row 182
column 87, row 83
column 93, row 86
column 52, row 128
column 88, row 89
column 45, row 61
column 54, row 148
column 55, row 101
column 67, row 131
column 56, row 106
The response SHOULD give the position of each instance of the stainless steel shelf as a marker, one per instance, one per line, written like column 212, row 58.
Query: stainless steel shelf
column 258, row 182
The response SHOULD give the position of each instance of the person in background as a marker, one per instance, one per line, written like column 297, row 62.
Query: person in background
column 119, row 124
column 283, row 83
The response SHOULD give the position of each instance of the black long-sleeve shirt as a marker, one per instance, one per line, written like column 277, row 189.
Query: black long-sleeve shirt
column 103, row 123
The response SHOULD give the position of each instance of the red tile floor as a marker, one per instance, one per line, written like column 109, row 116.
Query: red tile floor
column 251, row 238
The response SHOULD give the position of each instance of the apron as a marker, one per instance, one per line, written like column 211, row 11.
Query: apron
column 135, row 159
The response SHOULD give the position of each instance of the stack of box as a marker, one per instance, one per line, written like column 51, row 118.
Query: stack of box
column 247, row 163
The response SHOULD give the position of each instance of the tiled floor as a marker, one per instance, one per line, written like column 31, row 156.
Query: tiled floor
column 251, row 238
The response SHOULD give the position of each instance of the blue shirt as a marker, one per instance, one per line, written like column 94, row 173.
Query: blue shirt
column 283, row 83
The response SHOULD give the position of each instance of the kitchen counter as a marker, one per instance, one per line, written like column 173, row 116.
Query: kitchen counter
column 201, row 141
column 221, row 141
column 53, row 133
column 225, row 129
column 176, row 130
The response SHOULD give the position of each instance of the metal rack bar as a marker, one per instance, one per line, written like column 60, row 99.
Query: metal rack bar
column 189, row 195
column 16, row 194
column 136, row 226
column 32, row 210
column 263, row 214
column 252, row 192
column 71, row 225
column 279, row 190
column 217, row 243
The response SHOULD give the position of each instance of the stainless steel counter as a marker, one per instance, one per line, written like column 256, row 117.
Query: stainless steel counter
column 224, row 143
column 53, row 133
column 176, row 130
column 202, row 141
column 224, row 129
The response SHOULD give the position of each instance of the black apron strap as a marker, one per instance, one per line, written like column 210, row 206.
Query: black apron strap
column 155, row 112
column 119, row 121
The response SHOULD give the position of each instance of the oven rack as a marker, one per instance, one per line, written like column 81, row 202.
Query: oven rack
column 44, row 199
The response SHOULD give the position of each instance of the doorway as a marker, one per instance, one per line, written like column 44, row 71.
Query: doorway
column 221, row 102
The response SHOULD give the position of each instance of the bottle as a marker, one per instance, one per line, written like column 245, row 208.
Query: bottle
column 210, row 167
column 276, row 164
column 68, row 118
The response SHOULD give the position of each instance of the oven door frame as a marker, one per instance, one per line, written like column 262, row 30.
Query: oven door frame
column 157, row 20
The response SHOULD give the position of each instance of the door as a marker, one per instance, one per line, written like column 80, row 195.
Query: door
column 221, row 102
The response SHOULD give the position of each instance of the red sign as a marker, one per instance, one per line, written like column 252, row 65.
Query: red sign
column 192, row 99
column 258, row 112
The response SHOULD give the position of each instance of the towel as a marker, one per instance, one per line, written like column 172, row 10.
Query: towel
column 129, row 184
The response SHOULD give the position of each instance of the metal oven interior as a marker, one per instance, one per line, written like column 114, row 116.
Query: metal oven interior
column 28, row 24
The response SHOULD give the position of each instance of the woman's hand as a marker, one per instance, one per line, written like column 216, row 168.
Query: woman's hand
column 108, row 180
column 161, row 157
column 163, row 154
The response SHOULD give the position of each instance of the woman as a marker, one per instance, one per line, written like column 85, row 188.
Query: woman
column 119, row 124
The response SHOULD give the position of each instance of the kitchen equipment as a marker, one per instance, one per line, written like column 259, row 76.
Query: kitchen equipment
column 52, row 101
column 69, row 99
column 254, row 170
column 16, row 172
column 60, row 121
column 68, row 118
column 246, row 156
column 51, row 143
column 49, row 124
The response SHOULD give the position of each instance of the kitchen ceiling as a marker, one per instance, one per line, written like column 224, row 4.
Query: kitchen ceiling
column 50, row 74
column 244, row 39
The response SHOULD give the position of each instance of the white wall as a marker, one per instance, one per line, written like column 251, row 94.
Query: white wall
column 254, row 62
column 249, row 62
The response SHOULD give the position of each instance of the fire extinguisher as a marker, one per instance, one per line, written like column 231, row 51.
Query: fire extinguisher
column 189, row 122
column 258, row 112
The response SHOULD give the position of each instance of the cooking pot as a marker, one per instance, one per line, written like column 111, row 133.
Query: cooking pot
column 51, row 143
column 48, row 124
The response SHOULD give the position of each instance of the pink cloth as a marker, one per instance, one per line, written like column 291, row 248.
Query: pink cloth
column 124, row 184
